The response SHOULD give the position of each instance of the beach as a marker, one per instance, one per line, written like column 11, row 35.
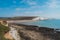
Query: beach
column 31, row 29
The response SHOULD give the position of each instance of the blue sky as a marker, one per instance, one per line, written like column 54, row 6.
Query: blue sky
column 43, row 8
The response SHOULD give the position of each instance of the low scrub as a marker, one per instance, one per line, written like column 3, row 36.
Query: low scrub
column 3, row 30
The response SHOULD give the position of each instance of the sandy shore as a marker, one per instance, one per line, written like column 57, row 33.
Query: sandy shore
column 19, row 21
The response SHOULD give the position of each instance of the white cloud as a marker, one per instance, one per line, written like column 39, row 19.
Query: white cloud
column 32, row 3
column 53, row 4
column 17, row 9
column 21, row 9
column 29, row 2
column 28, row 12
column 28, row 9
column 35, row 13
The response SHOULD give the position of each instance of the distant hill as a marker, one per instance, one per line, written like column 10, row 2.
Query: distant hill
column 18, row 18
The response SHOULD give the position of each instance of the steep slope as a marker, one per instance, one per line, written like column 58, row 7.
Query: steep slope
column 30, row 32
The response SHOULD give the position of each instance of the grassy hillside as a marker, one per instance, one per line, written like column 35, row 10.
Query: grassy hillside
column 18, row 18
column 3, row 30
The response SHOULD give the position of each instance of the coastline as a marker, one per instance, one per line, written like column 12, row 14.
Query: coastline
column 26, row 32
column 17, row 21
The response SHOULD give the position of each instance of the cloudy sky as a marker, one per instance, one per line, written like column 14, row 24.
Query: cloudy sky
column 43, row 8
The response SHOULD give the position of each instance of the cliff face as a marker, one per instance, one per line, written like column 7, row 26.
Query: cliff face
column 33, row 35
column 30, row 32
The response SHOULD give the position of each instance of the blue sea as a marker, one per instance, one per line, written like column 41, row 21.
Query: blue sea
column 46, row 23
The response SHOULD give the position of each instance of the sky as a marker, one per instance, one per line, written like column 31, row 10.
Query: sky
column 42, row 8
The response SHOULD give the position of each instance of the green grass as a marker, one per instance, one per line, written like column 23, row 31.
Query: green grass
column 3, row 30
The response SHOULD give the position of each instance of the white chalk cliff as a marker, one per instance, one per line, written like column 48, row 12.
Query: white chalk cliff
column 40, row 18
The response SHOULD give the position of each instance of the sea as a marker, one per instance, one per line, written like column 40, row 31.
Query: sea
column 51, row 23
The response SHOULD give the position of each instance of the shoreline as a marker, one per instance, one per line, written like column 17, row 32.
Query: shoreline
column 17, row 21
column 32, row 26
column 37, row 32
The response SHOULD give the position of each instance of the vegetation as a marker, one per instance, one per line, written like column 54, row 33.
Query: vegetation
column 3, row 30
column 17, row 18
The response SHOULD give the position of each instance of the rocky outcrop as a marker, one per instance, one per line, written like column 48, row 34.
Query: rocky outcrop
column 8, row 36
column 30, row 32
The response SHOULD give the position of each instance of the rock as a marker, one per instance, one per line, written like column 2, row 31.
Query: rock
column 31, row 32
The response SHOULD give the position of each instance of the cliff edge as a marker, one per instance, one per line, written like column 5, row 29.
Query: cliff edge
column 30, row 32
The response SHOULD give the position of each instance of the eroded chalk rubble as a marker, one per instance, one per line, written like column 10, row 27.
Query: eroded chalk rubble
column 30, row 32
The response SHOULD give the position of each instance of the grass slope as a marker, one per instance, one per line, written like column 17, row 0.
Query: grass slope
column 3, row 30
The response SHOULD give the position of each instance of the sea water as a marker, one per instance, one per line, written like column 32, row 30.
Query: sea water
column 46, row 23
